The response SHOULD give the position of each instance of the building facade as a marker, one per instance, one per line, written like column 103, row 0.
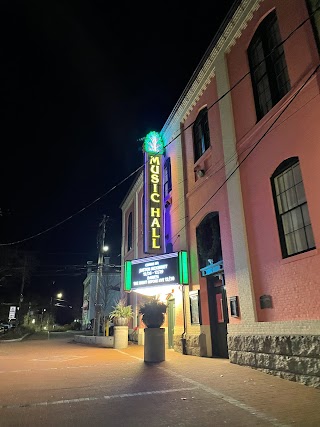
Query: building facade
column 109, row 293
column 242, row 200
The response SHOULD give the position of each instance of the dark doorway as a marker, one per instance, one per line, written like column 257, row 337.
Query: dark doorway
column 218, row 312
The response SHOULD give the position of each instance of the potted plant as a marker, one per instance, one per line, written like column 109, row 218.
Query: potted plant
column 153, row 312
column 120, row 316
column 121, row 313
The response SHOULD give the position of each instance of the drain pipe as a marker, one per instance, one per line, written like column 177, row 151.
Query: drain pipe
column 183, row 336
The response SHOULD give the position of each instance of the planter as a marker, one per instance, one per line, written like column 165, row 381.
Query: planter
column 154, row 345
column 120, row 321
column 153, row 320
column 120, row 335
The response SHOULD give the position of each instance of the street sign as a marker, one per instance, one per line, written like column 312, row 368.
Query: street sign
column 12, row 312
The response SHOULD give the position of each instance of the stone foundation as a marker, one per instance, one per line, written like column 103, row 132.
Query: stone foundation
column 293, row 357
column 193, row 345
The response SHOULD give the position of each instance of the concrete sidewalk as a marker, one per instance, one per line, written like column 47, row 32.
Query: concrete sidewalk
column 279, row 401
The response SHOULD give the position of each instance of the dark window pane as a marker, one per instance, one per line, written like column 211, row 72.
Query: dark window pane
column 287, row 223
column 301, row 240
column 167, row 183
column 130, row 231
column 201, row 136
column 313, row 5
column 296, row 217
column 310, row 237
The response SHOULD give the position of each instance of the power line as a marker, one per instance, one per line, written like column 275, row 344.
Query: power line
column 170, row 142
column 253, row 147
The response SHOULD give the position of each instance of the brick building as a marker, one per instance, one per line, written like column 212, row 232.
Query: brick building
column 240, row 175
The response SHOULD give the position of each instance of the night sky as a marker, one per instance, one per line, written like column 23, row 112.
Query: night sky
column 81, row 83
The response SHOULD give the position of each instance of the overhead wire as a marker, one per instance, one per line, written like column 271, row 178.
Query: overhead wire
column 253, row 147
column 170, row 142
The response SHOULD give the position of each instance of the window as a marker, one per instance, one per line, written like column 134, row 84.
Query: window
column 315, row 18
column 268, row 66
column 167, row 183
column 169, row 248
column 201, row 136
column 209, row 240
column 291, row 207
column 130, row 231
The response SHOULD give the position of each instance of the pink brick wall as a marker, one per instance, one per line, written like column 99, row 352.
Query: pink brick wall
column 200, row 192
column 293, row 283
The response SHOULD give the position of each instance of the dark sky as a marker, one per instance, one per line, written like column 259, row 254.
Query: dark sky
column 81, row 82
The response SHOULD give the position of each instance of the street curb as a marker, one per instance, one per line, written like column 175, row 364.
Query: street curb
column 16, row 339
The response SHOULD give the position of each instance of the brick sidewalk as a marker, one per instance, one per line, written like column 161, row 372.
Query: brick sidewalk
column 287, row 402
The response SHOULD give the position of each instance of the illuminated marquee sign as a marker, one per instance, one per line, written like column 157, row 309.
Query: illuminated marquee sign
column 153, row 232
column 167, row 269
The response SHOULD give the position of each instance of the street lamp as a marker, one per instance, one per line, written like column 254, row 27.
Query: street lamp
column 50, row 315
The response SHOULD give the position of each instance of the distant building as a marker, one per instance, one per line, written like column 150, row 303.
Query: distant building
column 109, row 291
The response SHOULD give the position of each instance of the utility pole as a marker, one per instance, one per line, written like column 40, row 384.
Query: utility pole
column 101, row 237
column 21, row 291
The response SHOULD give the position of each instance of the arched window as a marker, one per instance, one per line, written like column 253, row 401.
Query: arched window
column 314, row 11
column 167, row 183
column 295, row 230
column 209, row 239
column 130, row 231
column 269, row 75
column 201, row 136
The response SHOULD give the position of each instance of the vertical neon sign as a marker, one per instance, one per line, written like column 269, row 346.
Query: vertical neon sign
column 153, row 228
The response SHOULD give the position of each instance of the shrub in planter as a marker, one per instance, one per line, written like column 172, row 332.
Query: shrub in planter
column 153, row 312
column 121, row 313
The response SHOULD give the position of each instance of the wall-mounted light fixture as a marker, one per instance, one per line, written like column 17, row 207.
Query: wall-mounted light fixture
column 234, row 306
column 200, row 173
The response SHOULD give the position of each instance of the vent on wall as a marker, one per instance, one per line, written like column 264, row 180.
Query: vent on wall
column 200, row 173
column 266, row 301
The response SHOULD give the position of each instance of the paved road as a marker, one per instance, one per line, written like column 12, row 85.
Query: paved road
column 57, row 382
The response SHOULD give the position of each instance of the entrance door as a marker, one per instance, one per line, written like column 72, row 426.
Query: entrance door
column 218, row 312
column 171, row 321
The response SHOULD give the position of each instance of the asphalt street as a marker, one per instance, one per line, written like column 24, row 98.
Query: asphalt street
column 53, row 381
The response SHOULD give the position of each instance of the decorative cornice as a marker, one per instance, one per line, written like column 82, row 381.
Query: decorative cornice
column 135, row 187
column 232, row 32
column 236, row 18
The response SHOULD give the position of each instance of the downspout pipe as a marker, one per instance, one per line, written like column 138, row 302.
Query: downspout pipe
column 183, row 336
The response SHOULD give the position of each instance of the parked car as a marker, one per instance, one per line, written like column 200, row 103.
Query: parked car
column 5, row 326
column 2, row 331
column 12, row 323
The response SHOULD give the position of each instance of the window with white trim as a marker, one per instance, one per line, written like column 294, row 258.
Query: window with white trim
column 294, row 225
